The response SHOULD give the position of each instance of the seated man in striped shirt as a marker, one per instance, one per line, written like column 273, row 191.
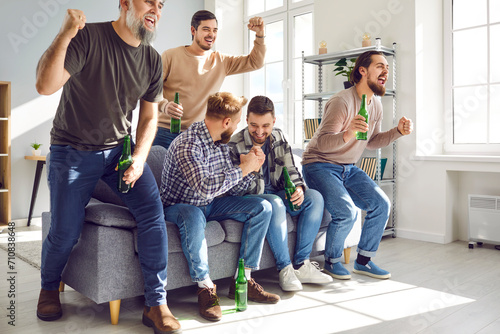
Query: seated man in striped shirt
column 196, row 172
column 269, row 184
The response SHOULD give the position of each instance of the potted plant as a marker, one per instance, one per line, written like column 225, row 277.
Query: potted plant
column 344, row 68
column 36, row 148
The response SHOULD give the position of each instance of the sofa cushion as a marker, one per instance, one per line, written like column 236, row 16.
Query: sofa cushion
column 214, row 235
column 106, row 214
column 233, row 229
column 155, row 161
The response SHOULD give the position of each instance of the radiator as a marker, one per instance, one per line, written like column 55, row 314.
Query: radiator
column 484, row 218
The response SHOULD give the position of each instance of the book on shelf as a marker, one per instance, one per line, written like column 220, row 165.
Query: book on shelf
column 369, row 165
column 310, row 126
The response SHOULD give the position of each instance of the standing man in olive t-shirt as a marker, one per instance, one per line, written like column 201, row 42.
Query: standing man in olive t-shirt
column 104, row 69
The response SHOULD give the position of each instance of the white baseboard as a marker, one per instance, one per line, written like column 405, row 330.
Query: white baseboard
column 420, row 236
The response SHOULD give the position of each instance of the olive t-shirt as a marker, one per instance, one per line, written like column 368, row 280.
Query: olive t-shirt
column 108, row 77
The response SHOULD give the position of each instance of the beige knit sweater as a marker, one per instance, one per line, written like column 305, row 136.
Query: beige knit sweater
column 197, row 77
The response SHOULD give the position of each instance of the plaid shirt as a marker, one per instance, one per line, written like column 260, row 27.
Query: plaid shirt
column 197, row 170
column 280, row 155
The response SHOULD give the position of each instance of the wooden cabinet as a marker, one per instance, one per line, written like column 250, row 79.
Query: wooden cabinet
column 5, row 185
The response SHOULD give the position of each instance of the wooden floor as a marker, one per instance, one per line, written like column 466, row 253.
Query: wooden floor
column 434, row 289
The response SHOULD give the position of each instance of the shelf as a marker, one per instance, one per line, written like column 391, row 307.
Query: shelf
column 331, row 58
column 5, row 158
column 389, row 231
column 326, row 95
column 386, row 182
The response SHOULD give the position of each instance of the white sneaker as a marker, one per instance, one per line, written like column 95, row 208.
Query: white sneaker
column 288, row 280
column 311, row 273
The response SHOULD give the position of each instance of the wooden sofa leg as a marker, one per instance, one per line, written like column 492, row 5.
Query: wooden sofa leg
column 347, row 255
column 61, row 286
column 114, row 310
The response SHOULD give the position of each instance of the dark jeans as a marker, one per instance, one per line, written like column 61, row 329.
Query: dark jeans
column 73, row 176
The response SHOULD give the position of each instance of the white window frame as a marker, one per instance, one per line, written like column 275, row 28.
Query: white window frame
column 292, row 120
column 450, row 147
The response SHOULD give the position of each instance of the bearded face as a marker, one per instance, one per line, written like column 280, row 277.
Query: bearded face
column 377, row 74
column 144, row 29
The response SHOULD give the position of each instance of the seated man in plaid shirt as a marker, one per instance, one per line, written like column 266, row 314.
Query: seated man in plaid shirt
column 196, row 172
column 269, row 184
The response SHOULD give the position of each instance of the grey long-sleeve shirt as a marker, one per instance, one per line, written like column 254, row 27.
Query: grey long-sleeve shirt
column 327, row 144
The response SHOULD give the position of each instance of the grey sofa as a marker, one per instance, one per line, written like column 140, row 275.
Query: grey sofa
column 104, row 264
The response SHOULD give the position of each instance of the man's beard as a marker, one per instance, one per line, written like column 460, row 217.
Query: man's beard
column 259, row 141
column 203, row 47
column 376, row 88
column 137, row 27
column 225, row 137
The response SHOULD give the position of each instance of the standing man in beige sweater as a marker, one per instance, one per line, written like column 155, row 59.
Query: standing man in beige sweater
column 196, row 71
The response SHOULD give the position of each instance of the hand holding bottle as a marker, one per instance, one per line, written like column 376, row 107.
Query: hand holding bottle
column 298, row 196
column 358, row 124
column 173, row 110
column 290, row 191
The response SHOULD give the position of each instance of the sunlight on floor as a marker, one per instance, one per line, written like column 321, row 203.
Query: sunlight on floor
column 340, row 306
column 21, row 236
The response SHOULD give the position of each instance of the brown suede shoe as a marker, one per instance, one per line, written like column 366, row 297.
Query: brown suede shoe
column 161, row 319
column 255, row 293
column 49, row 306
column 208, row 304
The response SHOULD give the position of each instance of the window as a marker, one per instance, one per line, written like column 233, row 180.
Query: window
column 474, row 76
column 289, row 31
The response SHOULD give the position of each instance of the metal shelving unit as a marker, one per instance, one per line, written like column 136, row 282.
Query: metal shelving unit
column 320, row 96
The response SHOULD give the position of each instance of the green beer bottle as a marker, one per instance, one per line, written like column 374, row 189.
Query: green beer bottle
column 240, row 297
column 123, row 164
column 364, row 113
column 289, row 190
column 175, row 124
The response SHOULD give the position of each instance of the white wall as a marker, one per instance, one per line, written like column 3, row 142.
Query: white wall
column 27, row 30
column 432, row 189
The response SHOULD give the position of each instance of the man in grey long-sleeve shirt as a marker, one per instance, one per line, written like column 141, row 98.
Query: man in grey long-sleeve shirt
column 329, row 166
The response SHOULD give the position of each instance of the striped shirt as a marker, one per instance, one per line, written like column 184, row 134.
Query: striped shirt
column 197, row 169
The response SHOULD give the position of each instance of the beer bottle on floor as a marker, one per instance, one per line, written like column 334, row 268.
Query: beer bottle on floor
column 175, row 124
column 240, row 296
column 289, row 190
column 364, row 113
column 123, row 164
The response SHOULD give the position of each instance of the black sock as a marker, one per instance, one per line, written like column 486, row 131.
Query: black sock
column 362, row 260
column 297, row 266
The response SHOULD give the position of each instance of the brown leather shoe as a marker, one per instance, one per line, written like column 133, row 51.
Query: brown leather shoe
column 161, row 319
column 208, row 304
column 255, row 293
column 49, row 306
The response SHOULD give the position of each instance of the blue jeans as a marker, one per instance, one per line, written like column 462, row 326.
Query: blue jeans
column 164, row 137
column 254, row 213
column 72, row 177
column 310, row 217
column 345, row 187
